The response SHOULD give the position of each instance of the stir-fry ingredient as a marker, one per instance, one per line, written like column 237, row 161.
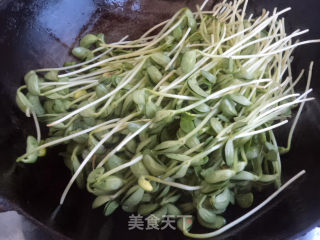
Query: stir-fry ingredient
column 178, row 122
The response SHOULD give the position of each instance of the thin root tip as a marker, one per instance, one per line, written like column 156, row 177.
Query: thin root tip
column 52, row 124
column 299, row 174
column 61, row 201
column 285, row 10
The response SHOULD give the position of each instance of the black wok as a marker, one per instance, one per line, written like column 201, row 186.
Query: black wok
column 38, row 33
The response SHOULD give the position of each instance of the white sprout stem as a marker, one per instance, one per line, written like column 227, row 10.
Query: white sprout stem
column 104, row 129
column 118, row 100
column 123, row 46
column 127, row 45
column 173, row 184
column 195, row 148
column 104, row 107
column 204, row 12
column 276, row 164
column 96, row 50
column 154, row 28
column 258, row 29
column 200, row 125
column 80, row 89
column 217, row 7
column 86, row 160
column 281, row 107
column 130, row 43
column 305, row 93
column 202, row 61
column 36, row 123
column 123, row 143
column 120, row 86
column 248, row 214
column 264, row 61
column 82, row 63
column 121, row 167
column 225, row 11
column 161, row 36
column 199, row 155
column 133, row 41
column 260, row 130
column 295, row 121
column 167, row 25
column 178, row 87
column 243, row 31
column 137, row 53
column 203, row 4
column 248, row 44
column 133, row 54
column 220, row 93
column 291, row 88
column 265, row 54
column 272, row 116
column 244, row 8
column 286, row 82
column 74, row 135
column 199, row 45
column 271, row 91
column 173, row 59
column 164, row 79
column 169, row 95
column 92, row 74
column 62, row 88
column 179, row 47
column 180, row 43
column 95, row 58
column 46, row 84
column 112, row 125
column 278, row 43
column 122, row 190
column 260, row 100
column 179, row 80
column 206, row 152
column 278, row 100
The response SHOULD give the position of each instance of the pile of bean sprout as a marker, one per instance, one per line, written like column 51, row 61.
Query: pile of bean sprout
column 179, row 121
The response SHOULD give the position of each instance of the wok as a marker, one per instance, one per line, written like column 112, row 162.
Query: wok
column 38, row 33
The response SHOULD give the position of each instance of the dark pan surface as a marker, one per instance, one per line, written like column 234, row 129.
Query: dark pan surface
column 38, row 33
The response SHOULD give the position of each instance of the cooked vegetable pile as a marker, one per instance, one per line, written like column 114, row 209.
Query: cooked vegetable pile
column 179, row 121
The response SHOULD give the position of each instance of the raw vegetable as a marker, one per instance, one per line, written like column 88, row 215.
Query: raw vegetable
column 176, row 122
